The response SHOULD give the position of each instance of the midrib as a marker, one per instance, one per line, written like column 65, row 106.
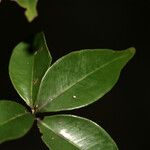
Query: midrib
column 13, row 118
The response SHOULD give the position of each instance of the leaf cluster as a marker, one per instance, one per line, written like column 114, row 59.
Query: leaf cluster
column 73, row 81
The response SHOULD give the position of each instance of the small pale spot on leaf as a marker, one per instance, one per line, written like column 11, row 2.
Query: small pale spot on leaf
column 35, row 53
column 35, row 81
column 74, row 96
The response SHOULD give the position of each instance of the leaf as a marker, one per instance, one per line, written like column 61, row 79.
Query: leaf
column 67, row 132
column 80, row 78
column 28, row 64
column 30, row 6
column 15, row 121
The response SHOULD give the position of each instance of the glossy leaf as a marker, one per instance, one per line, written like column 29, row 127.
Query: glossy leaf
column 28, row 64
column 15, row 121
column 67, row 132
column 30, row 6
column 81, row 78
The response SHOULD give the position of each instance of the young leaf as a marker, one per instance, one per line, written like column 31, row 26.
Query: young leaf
column 15, row 121
column 30, row 6
column 81, row 78
column 27, row 66
column 67, row 132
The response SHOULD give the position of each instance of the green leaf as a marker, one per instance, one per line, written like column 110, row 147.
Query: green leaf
column 67, row 132
column 15, row 121
column 28, row 64
column 81, row 78
column 30, row 6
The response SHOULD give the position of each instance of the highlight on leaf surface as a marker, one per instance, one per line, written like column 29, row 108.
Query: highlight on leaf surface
column 68, row 132
column 15, row 121
column 80, row 78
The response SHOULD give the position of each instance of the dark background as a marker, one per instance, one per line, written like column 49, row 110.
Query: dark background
column 72, row 25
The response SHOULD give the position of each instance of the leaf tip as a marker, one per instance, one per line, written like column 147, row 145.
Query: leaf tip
column 132, row 50
column 30, row 18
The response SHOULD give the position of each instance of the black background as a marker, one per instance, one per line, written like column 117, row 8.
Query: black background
column 73, row 25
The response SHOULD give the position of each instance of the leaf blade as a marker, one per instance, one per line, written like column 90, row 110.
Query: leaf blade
column 15, row 121
column 74, row 133
column 27, row 66
column 30, row 6
column 80, row 78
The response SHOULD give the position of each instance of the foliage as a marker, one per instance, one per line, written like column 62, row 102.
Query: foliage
column 30, row 7
column 74, row 81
